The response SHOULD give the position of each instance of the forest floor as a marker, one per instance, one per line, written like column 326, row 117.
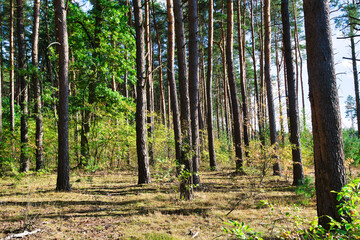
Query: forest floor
column 110, row 205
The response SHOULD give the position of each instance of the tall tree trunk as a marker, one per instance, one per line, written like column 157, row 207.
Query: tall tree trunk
column 329, row 157
column 194, row 86
column 36, row 86
column 278, row 69
column 11, row 62
column 298, row 172
column 186, row 190
column 233, row 88
column 271, row 110
column 171, row 79
column 24, row 157
column 256, row 85
column 141, row 142
column 212, row 156
column 1, row 70
column 161, row 82
column 150, row 82
column 298, row 52
column 356, row 79
column 63, row 178
column 243, row 79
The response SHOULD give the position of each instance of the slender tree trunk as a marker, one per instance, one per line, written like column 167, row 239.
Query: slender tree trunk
column 161, row 82
column 212, row 156
column 278, row 69
column 298, row 172
column 271, row 110
column 1, row 71
column 36, row 86
column 329, row 157
column 171, row 79
column 63, row 179
column 356, row 81
column 11, row 62
column 24, row 157
column 150, row 82
column 141, row 142
column 233, row 88
column 186, row 190
column 243, row 80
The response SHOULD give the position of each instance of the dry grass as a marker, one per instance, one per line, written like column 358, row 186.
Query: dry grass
column 110, row 205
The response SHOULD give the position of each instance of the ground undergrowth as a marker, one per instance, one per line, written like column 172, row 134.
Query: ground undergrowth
column 110, row 205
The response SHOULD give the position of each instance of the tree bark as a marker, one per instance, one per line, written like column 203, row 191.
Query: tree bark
column 194, row 87
column 298, row 172
column 271, row 110
column 186, row 190
column 212, row 156
column 150, row 83
column 63, row 178
column 329, row 157
column 141, row 142
column 243, row 79
column 11, row 62
column 24, row 157
column 36, row 86
column 171, row 79
column 233, row 88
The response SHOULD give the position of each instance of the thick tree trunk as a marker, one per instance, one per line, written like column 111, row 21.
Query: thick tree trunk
column 171, row 79
column 141, row 142
column 233, row 88
column 186, row 190
column 63, row 178
column 329, row 158
column 194, row 87
column 24, row 157
column 298, row 172
column 36, row 86
column 212, row 156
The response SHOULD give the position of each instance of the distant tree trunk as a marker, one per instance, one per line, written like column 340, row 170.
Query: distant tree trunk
column 329, row 158
column 256, row 85
column 141, row 143
column 298, row 172
column 24, row 157
column 161, row 82
column 356, row 79
column 212, row 156
column 194, row 87
column 233, row 88
column 11, row 62
column 298, row 51
column 186, row 190
column 171, row 79
column 150, row 82
column 278, row 69
column 63, row 179
column 267, row 50
column 36, row 86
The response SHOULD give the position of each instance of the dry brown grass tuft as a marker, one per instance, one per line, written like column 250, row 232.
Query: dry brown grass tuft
column 107, row 205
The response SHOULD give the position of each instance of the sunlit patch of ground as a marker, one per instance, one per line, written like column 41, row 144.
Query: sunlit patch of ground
column 110, row 205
